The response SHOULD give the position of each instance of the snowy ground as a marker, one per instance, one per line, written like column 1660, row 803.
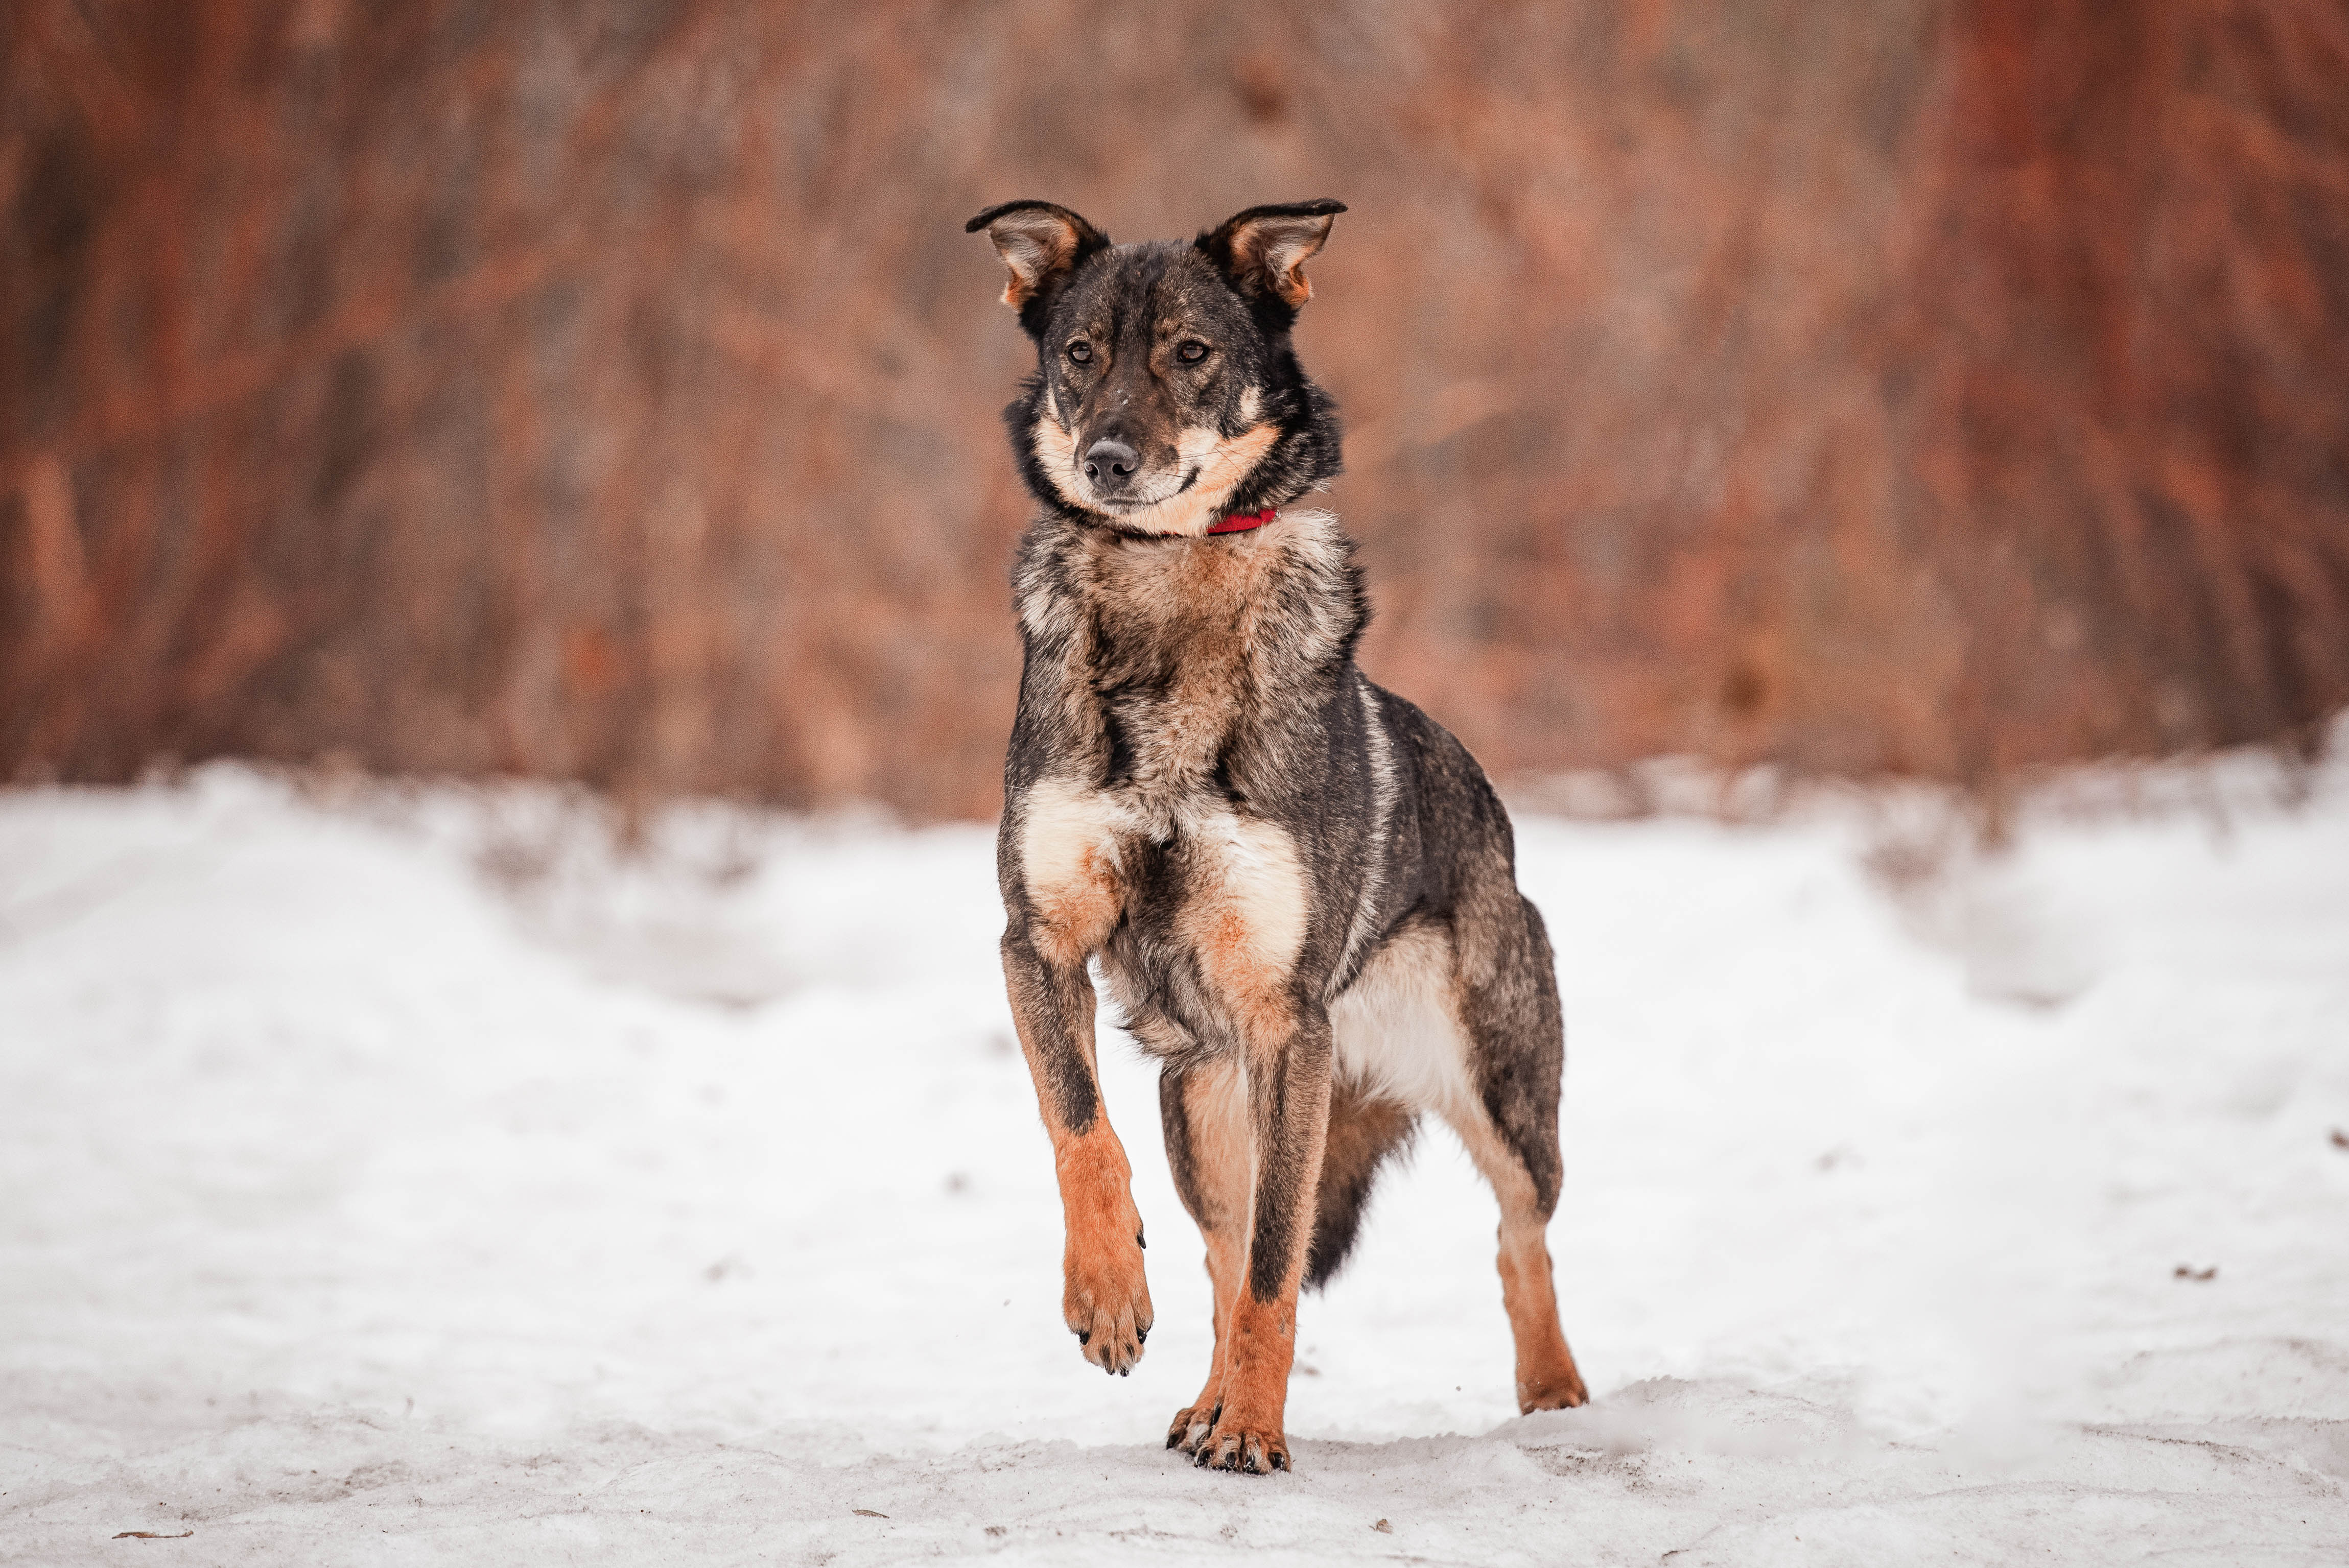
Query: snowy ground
column 401, row 1180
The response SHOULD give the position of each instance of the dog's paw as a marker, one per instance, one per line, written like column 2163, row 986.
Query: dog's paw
column 1236, row 1446
column 1191, row 1426
column 1561, row 1390
column 1106, row 1304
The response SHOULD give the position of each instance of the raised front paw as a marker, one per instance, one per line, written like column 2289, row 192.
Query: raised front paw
column 1106, row 1304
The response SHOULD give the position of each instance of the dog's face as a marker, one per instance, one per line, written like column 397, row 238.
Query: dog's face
column 1166, row 395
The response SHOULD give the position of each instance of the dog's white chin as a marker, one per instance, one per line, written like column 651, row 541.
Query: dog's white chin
column 1189, row 507
column 1185, row 512
column 1175, row 505
column 1159, row 494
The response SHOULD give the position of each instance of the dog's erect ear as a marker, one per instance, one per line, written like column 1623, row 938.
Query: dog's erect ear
column 1264, row 249
column 1043, row 244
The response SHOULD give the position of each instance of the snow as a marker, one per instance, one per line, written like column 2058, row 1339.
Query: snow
column 401, row 1175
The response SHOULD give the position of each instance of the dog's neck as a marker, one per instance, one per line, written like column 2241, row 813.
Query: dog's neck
column 1175, row 656
column 1286, row 593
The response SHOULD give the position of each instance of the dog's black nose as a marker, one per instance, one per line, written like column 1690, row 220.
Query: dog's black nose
column 1110, row 463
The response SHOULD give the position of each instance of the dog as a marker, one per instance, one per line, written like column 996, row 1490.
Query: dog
column 1299, row 890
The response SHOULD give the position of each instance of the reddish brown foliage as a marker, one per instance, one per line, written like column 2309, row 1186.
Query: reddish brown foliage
column 609, row 390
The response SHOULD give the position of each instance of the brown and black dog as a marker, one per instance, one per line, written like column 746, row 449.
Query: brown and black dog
column 1300, row 890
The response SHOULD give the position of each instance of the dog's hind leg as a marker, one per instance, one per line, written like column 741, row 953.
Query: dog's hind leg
column 1204, row 1104
column 1508, row 997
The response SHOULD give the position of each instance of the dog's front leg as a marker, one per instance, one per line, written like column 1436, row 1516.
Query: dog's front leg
column 1288, row 1116
column 1105, row 1299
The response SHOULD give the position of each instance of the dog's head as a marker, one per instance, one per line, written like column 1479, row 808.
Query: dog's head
column 1166, row 395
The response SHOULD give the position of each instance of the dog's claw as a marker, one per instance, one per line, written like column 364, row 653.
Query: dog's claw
column 1239, row 1451
column 1188, row 1428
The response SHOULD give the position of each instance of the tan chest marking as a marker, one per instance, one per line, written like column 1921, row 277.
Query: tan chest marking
column 1068, row 859
column 1245, row 917
column 1243, row 913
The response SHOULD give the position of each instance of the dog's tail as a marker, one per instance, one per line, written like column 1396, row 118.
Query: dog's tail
column 1365, row 1132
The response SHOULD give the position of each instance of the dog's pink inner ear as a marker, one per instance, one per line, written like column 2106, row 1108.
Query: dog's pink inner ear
column 1036, row 243
column 1271, row 253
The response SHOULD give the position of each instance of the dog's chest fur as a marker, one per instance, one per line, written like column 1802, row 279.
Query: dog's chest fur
column 1171, row 657
column 1171, row 734
column 1168, row 675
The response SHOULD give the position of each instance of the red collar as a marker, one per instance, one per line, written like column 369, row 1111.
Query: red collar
column 1241, row 521
column 1238, row 522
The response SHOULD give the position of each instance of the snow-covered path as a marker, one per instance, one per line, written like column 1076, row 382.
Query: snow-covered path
column 401, row 1182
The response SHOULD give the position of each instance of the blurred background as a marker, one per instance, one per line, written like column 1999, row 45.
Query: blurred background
column 608, row 392
column 594, row 404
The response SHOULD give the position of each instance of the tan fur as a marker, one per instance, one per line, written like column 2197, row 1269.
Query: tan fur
column 1261, row 1342
column 1056, row 449
column 1206, row 596
column 1033, row 244
column 1236, row 1422
column 1262, row 1348
column 1197, row 597
column 1206, row 599
column 1216, row 1104
column 1281, row 248
column 1068, row 848
column 1220, row 463
column 1105, row 1298
column 1398, row 1035
column 1547, row 1379
column 1246, row 931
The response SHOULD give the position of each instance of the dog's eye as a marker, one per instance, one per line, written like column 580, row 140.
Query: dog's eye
column 1082, row 352
column 1192, row 352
